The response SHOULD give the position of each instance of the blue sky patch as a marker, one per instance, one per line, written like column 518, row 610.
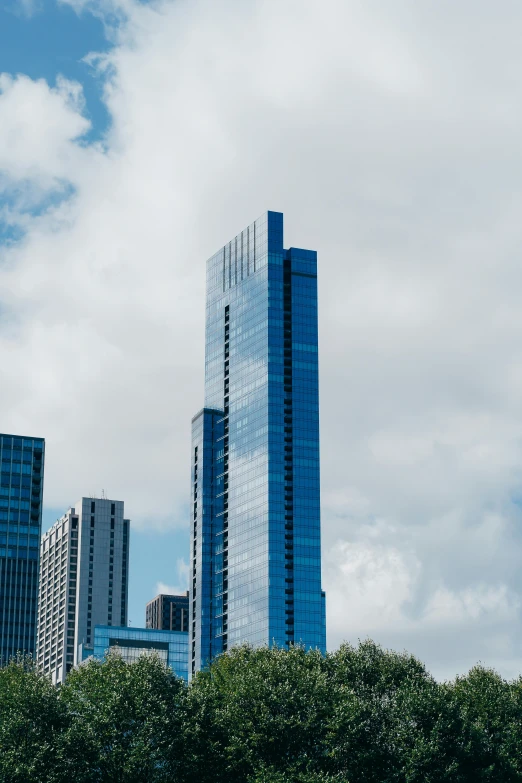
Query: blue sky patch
column 54, row 41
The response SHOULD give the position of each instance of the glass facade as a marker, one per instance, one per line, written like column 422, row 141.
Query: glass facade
column 170, row 646
column 255, row 528
column 21, row 490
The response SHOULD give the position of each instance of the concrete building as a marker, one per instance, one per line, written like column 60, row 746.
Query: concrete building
column 168, row 612
column 170, row 646
column 21, row 490
column 84, row 567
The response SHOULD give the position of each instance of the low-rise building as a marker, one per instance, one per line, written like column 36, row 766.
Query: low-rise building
column 170, row 646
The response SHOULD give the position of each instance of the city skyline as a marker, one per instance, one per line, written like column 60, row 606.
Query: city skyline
column 134, row 139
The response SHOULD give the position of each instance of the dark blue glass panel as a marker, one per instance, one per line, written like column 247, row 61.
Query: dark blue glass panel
column 22, row 469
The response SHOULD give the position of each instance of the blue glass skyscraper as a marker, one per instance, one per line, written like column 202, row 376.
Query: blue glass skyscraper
column 21, row 490
column 255, row 528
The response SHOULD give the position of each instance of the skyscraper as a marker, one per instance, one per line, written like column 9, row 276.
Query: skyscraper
column 83, row 582
column 255, row 528
column 168, row 612
column 21, row 490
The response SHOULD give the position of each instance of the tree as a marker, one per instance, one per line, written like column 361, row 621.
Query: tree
column 265, row 775
column 491, row 711
column 358, row 715
column 262, row 709
column 125, row 720
column 32, row 720
column 392, row 722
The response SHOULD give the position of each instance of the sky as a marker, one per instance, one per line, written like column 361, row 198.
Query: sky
column 136, row 138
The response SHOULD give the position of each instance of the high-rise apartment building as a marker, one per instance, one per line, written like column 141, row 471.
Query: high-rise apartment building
column 84, row 568
column 255, row 554
column 21, row 491
column 168, row 612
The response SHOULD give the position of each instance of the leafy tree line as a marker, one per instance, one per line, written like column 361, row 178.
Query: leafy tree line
column 359, row 715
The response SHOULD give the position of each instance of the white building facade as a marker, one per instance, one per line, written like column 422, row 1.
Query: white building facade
column 84, row 571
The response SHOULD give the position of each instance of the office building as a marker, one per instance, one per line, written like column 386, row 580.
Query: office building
column 168, row 612
column 170, row 646
column 84, row 568
column 21, row 490
column 255, row 558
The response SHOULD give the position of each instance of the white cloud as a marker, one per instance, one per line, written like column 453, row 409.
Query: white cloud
column 182, row 584
column 481, row 602
column 373, row 587
column 368, row 585
column 164, row 589
column 183, row 571
column 390, row 139
column 24, row 8
column 41, row 161
column 38, row 128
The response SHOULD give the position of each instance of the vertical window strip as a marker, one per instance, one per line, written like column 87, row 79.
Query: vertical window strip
column 248, row 251
column 241, row 255
column 230, row 264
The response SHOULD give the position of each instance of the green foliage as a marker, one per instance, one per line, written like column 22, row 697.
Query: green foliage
column 491, row 710
column 127, row 721
column 359, row 715
column 392, row 722
column 264, row 708
column 266, row 775
column 32, row 720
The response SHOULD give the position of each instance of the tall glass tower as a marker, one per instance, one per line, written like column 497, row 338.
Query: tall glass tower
column 255, row 529
column 21, row 489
